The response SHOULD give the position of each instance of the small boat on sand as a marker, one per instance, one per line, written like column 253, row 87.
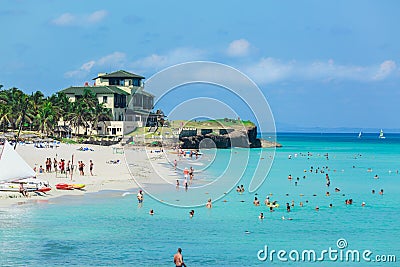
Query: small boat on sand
column 63, row 186
column 78, row 186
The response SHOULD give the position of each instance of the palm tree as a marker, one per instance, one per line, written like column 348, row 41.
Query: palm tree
column 100, row 114
column 85, row 109
column 15, row 99
column 5, row 116
column 46, row 118
column 63, row 108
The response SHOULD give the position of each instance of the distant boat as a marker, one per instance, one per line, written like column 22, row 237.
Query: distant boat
column 381, row 135
column 359, row 135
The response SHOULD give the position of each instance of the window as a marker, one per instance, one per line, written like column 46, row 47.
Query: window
column 105, row 99
column 116, row 81
column 136, row 82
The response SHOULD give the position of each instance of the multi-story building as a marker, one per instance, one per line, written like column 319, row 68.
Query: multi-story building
column 123, row 93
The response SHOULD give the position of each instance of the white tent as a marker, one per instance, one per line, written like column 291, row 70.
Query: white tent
column 12, row 166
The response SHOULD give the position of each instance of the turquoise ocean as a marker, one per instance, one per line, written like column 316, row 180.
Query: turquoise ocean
column 108, row 229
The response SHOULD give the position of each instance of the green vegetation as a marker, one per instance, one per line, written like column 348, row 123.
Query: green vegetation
column 42, row 114
column 68, row 141
column 214, row 124
column 173, row 126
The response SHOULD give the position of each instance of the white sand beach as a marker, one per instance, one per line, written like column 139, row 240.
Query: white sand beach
column 106, row 175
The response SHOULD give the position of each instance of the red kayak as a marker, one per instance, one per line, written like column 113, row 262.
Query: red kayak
column 44, row 189
column 64, row 186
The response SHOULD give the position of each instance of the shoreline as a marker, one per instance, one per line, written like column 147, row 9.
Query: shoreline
column 106, row 176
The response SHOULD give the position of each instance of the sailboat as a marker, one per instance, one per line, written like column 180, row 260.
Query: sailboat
column 381, row 135
column 14, row 171
column 12, row 165
column 359, row 135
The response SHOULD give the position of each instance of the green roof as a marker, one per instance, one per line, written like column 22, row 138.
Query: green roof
column 120, row 74
column 78, row 90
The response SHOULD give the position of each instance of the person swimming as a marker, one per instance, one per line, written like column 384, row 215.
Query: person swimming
column 261, row 216
column 151, row 212
column 241, row 188
column 191, row 213
column 256, row 202
column 381, row 192
column 209, row 204
column 266, row 201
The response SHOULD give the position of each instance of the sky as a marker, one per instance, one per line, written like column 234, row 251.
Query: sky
column 332, row 63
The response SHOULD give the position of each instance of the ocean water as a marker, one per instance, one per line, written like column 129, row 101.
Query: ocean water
column 108, row 229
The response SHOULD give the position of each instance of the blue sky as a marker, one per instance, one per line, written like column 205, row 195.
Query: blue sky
column 318, row 63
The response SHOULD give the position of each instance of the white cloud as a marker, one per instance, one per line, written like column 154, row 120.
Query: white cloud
column 115, row 60
column 97, row 16
column 238, row 48
column 269, row 70
column 385, row 69
column 88, row 65
column 64, row 20
column 263, row 71
column 68, row 19
column 155, row 62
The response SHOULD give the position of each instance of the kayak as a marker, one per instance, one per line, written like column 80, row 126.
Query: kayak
column 63, row 186
column 44, row 189
column 78, row 186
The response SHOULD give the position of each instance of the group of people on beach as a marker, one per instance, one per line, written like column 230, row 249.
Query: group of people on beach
column 63, row 167
column 187, row 174
column 190, row 154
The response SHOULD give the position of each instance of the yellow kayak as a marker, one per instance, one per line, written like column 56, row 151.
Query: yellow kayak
column 78, row 186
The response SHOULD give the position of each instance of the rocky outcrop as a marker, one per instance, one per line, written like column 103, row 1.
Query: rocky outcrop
column 269, row 144
column 237, row 138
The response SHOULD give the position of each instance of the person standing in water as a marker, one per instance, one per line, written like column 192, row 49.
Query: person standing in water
column 178, row 259
column 140, row 196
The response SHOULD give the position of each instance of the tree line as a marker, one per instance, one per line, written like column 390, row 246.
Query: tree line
column 43, row 113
